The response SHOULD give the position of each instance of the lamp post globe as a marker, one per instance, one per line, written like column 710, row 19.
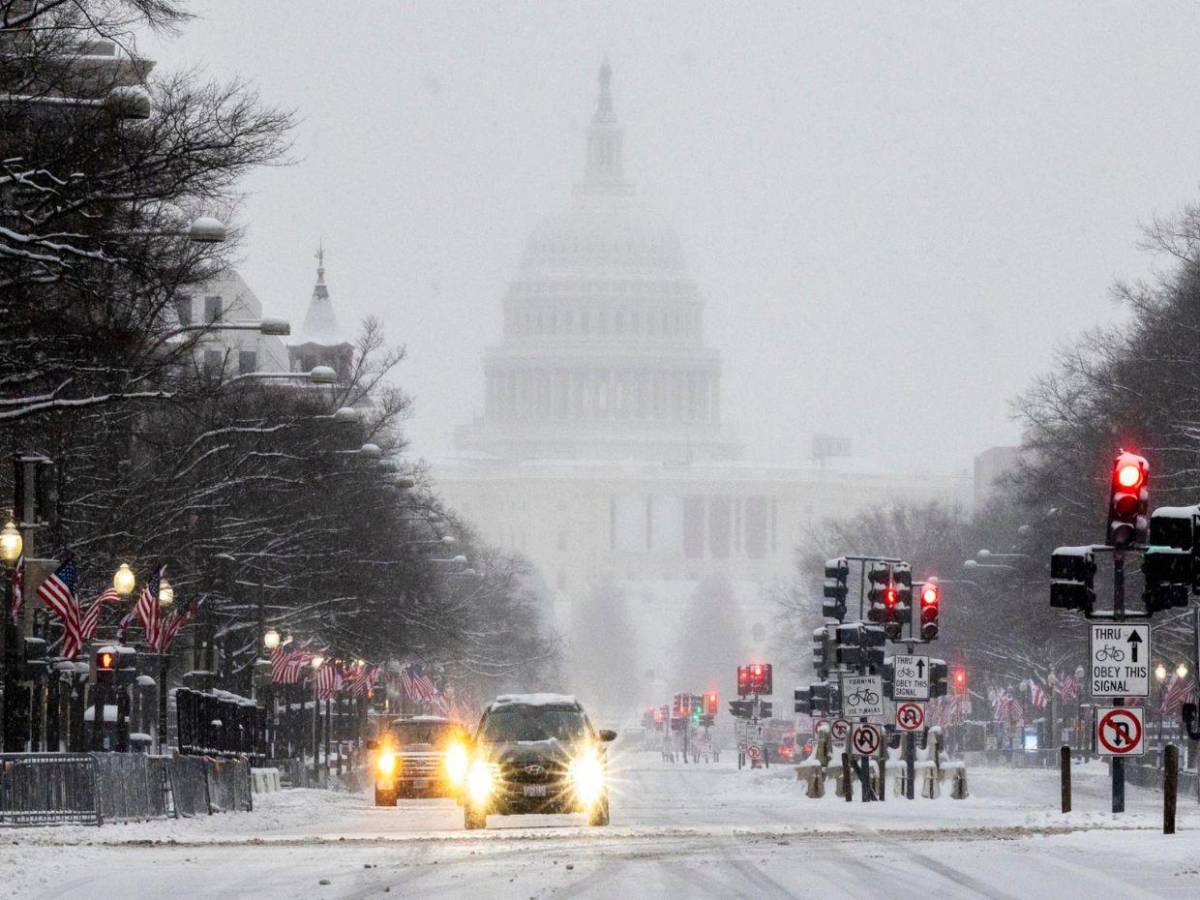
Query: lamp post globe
column 11, row 543
column 1181, row 670
column 318, row 661
column 271, row 639
column 166, row 593
column 1160, row 672
column 124, row 580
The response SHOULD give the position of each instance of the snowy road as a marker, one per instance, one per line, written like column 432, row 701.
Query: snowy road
column 677, row 831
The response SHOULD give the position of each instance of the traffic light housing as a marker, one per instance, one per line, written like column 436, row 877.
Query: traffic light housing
column 760, row 679
column 104, row 663
column 1129, row 500
column 1169, row 563
column 939, row 682
column 820, row 650
column 880, row 593
column 712, row 703
column 1073, row 579
column 931, row 601
column 740, row 709
column 764, row 709
column 743, row 681
column 837, row 574
column 802, row 701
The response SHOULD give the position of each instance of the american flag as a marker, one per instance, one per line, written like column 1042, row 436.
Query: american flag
column 1037, row 694
column 170, row 628
column 329, row 680
column 18, row 589
column 361, row 679
column 1067, row 687
column 1007, row 709
column 420, row 687
column 1178, row 692
column 58, row 593
column 91, row 618
column 287, row 666
column 147, row 608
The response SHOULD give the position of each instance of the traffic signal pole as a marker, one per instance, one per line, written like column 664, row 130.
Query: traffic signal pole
column 1118, row 762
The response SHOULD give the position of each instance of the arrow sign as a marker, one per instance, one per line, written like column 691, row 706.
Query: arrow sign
column 921, row 668
column 1134, row 639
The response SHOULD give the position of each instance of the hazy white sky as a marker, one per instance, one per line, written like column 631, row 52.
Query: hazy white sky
column 896, row 211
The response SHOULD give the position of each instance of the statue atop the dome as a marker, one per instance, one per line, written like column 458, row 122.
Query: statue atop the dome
column 604, row 108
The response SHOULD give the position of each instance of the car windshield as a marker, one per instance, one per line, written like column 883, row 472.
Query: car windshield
column 420, row 732
column 534, row 723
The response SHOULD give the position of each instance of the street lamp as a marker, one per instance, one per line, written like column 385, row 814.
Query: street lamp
column 318, row 661
column 11, row 543
column 124, row 580
column 166, row 593
column 1181, row 670
column 1160, row 672
column 271, row 639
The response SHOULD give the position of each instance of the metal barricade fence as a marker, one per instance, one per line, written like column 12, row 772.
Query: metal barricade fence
column 48, row 787
column 130, row 787
column 189, row 786
column 229, row 785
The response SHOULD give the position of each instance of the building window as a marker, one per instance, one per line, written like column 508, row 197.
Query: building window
column 247, row 361
column 183, row 309
column 212, row 309
column 213, row 362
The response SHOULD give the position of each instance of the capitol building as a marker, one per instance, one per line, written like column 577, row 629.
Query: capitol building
column 603, row 451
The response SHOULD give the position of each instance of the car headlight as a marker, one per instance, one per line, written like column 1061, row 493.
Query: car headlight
column 386, row 764
column 587, row 777
column 480, row 782
column 457, row 764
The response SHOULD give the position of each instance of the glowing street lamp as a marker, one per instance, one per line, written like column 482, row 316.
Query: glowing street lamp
column 11, row 543
column 166, row 593
column 124, row 580
column 1160, row 672
column 1181, row 670
column 271, row 639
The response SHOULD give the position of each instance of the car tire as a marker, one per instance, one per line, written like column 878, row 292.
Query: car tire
column 474, row 819
column 599, row 814
column 385, row 798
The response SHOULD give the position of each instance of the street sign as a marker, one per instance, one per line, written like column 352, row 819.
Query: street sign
column 865, row 739
column 754, row 752
column 910, row 716
column 742, row 745
column 911, row 678
column 862, row 696
column 1120, row 660
column 1120, row 731
column 840, row 730
column 819, row 724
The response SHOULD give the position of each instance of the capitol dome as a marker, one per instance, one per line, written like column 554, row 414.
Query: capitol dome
column 604, row 231
column 603, row 352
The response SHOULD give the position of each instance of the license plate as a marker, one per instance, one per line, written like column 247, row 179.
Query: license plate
column 420, row 783
column 535, row 790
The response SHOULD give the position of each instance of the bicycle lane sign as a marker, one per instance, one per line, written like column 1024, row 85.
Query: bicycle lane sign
column 862, row 696
column 1119, row 660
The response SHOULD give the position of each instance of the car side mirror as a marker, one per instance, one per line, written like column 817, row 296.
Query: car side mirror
column 607, row 734
column 372, row 745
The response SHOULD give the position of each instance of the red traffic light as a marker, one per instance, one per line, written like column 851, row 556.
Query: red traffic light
column 929, row 595
column 960, row 679
column 756, row 670
column 1129, row 473
column 711, row 703
column 889, row 597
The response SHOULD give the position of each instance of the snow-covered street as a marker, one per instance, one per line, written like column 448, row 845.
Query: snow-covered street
column 677, row 831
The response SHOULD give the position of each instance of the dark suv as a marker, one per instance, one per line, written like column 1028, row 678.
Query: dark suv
column 537, row 753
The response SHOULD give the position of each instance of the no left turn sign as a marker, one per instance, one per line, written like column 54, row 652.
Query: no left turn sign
column 1120, row 731
column 865, row 739
column 910, row 716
